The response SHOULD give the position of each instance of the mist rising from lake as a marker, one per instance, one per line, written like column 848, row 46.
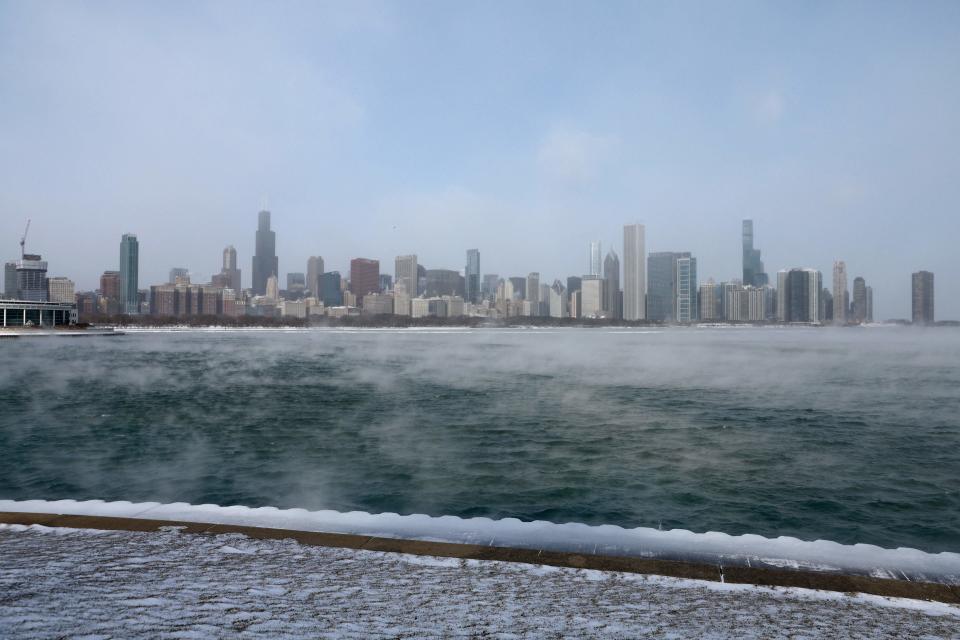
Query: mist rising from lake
column 847, row 435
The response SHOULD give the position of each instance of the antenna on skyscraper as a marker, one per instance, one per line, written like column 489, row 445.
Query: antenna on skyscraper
column 23, row 240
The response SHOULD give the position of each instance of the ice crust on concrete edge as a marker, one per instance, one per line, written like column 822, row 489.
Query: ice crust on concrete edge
column 676, row 544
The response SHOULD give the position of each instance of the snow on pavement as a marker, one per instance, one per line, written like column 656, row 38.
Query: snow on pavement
column 83, row 583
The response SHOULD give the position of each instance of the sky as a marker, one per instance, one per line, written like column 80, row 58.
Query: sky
column 522, row 129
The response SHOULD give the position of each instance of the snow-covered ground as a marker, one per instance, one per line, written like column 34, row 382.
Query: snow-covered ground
column 82, row 583
column 678, row 544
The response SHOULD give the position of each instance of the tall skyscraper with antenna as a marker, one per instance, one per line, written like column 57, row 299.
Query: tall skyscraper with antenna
column 265, row 263
column 753, row 273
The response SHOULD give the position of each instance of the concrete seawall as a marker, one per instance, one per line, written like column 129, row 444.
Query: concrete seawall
column 742, row 575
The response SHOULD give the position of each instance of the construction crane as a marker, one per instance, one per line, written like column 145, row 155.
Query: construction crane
column 23, row 240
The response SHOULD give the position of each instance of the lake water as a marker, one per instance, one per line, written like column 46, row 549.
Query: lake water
column 850, row 435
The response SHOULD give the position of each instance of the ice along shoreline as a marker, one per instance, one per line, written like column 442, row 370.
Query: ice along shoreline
column 710, row 556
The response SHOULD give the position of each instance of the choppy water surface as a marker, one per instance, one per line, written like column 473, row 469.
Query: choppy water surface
column 847, row 435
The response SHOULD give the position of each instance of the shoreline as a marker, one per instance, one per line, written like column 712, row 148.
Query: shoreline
column 793, row 578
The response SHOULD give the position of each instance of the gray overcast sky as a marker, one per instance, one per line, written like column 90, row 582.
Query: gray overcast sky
column 522, row 129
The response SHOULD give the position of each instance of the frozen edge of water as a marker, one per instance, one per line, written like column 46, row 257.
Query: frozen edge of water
column 675, row 544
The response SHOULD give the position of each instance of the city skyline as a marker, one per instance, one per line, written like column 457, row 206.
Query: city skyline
column 836, row 134
column 670, row 292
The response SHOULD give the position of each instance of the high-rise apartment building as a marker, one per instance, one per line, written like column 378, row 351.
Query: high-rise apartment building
column 922, row 298
column 405, row 272
column 364, row 277
column 859, row 300
column 230, row 271
column 129, row 274
column 591, row 297
column 753, row 273
column 32, row 278
column 839, row 292
column 265, row 262
column 634, row 273
column 711, row 301
column 798, row 295
column 471, row 274
column 60, row 290
column 613, row 297
column 110, row 285
column 869, row 303
column 596, row 258
column 686, row 300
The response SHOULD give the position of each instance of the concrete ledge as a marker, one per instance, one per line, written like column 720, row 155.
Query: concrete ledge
column 739, row 575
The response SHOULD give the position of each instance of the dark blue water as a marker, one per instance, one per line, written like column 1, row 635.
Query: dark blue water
column 847, row 435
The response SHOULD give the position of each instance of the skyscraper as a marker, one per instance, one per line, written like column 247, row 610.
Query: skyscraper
column 869, row 304
column 471, row 276
column 591, row 297
column 489, row 287
column 229, row 269
column 798, row 295
column 32, row 278
column 405, row 272
column 662, row 285
column 634, row 273
column 558, row 300
column 839, row 292
column 519, row 287
column 612, row 295
column 753, row 273
column 129, row 274
column 533, row 287
column 859, row 300
column 10, row 280
column 110, row 285
column 686, row 302
column 922, row 298
column 265, row 263
column 314, row 271
column 330, row 290
column 711, row 302
column 443, row 282
column 596, row 256
column 364, row 277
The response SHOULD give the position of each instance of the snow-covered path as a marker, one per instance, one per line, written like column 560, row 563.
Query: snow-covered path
column 82, row 583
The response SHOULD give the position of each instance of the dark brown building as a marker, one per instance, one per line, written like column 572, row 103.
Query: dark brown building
column 364, row 277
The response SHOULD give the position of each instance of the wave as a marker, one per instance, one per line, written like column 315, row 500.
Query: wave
column 675, row 544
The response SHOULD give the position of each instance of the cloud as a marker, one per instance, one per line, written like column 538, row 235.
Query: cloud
column 573, row 156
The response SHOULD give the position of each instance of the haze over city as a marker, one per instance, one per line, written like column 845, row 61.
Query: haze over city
column 526, row 131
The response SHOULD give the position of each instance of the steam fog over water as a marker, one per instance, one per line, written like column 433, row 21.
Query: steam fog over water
column 846, row 435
